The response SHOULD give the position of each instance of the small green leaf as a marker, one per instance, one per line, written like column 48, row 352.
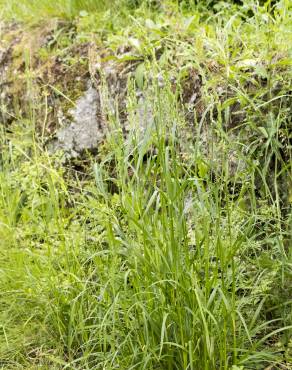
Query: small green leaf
column 135, row 43
column 264, row 132
column 203, row 168
column 139, row 75
column 150, row 24
column 83, row 13
column 188, row 21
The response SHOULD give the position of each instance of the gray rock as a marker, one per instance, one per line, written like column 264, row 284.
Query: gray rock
column 84, row 132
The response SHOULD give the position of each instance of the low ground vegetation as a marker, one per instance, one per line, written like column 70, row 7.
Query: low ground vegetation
column 168, row 244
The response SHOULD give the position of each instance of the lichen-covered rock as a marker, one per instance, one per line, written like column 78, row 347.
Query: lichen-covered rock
column 85, row 131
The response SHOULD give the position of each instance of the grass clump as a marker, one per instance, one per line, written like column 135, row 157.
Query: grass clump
column 171, row 247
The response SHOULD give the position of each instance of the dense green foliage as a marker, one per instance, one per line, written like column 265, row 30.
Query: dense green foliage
column 40, row 9
column 171, row 247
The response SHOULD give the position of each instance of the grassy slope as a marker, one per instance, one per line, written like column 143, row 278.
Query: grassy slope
column 174, row 269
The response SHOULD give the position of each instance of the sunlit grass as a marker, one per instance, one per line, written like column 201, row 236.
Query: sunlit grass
column 163, row 254
column 40, row 9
